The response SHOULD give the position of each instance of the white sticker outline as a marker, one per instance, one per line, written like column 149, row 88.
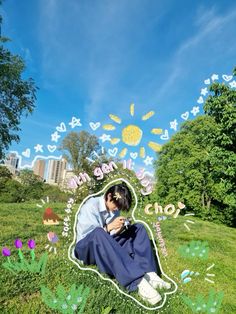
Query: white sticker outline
column 75, row 261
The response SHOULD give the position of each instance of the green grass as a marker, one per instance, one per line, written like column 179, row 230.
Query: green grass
column 21, row 293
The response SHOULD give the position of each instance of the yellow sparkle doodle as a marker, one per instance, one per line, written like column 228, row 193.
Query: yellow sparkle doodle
column 132, row 110
column 109, row 127
column 123, row 153
column 142, row 153
column 156, row 131
column 154, row 146
column 114, row 141
column 115, row 118
column 148, row 115
column 132, row 134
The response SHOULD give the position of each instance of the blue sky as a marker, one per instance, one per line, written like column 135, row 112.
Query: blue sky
column 92, row 58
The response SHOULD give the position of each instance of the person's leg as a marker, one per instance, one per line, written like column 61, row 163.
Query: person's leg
column 99, row 248
column 137, row 244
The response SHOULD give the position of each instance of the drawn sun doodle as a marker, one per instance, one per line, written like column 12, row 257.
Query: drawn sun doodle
column 43, row 202
column 132, row 134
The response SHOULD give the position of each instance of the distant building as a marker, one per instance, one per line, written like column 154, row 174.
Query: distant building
column 56, row 170
column 67, row 175
column 12, row 162
column 39, row 167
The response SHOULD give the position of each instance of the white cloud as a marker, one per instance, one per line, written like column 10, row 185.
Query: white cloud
column 210, row 23
column 186, row 57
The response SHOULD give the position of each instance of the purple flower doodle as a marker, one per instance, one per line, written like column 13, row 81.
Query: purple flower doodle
column 31, row 244
column 6, row 251
column 18, row 244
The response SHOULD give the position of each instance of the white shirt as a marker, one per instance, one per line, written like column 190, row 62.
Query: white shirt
column 93, row 214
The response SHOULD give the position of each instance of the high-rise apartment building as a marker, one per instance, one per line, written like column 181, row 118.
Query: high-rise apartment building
column 56, row 170
column 39, row 168
column 12, row 162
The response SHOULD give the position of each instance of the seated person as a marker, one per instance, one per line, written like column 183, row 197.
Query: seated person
column 126, row 255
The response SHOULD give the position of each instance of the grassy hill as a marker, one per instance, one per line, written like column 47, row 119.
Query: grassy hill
column 20, row 292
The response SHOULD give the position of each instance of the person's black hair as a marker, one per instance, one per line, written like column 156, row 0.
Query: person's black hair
column 120, row 195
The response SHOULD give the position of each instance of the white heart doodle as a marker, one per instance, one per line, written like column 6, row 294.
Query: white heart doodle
column 185, row 115
column 227, row 78
column 113, row 152
column 133, row 155
column 61, row 128
column 94, row 126
column 51, row 148
column 165, row 136
column 26, row 153
column 200, row 100
column 207, row 82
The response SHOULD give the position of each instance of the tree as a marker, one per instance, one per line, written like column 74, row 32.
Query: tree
column 78, row 146
column 17, row 96
column 5, row 172
column 28, row 178
column 32, row 185
column 198, row 165
column 183, row 168
column 5, row 176
column 221, row 106
column 11, row 192
column 54, row 193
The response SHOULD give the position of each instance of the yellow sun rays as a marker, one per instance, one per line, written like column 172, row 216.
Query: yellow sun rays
column 132, row 110
column 156, row 131
column 114, row 141
column 132, row 135
column 109, row 127
column 154, row 146
column 123, row 152
column 115, row 118
column 142, row 152
column 148, row 115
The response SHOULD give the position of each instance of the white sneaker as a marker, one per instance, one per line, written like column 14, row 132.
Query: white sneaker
column 147, row 293
column 156, row 282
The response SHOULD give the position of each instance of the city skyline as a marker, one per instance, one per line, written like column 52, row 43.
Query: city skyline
column 51, row 171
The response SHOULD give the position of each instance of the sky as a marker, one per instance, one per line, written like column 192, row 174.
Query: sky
column 92, row 58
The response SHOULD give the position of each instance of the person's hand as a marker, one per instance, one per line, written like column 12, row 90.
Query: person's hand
column 116, row 224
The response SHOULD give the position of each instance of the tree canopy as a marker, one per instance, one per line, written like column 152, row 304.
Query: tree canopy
column 27, row 186
column 198, row 165
column 182, row 169
column 17, row 96
column 77, row 146
column 221, row 106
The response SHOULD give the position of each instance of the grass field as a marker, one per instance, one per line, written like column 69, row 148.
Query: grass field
column 20, row 293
